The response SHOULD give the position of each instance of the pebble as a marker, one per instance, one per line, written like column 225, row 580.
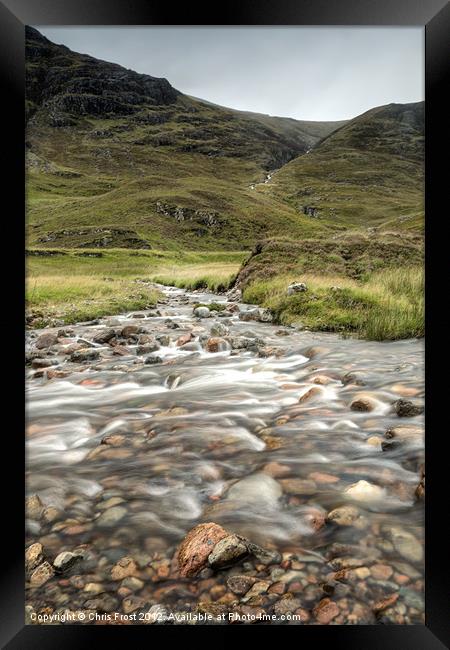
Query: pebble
column 104, row 336
column 202, row 312
column 111, row 516
column 65, row 560
column 240, row 584
column 85, row 354
column 344, row 516
column 34, row 507
column 407, row 409
column 325, row 611
column 406, row 544
column 365, row 492
column 46, row 340
column 125, row 567
column 298, row 486
column 34, row 555
column 41, row 574
column 363, row 403
column 227, row 551
column 215, row 344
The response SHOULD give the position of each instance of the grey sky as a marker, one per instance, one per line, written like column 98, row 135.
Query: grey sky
column 310, row 73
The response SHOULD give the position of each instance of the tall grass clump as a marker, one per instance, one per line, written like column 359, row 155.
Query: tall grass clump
column 388, row 305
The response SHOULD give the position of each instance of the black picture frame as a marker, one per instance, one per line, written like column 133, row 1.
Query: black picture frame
column 434, row 15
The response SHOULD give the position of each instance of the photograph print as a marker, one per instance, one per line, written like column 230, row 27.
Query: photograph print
column 224, row 325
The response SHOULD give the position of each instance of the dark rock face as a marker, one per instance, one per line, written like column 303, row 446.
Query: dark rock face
column 63, row 82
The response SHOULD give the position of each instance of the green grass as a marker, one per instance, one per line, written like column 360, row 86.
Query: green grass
column 388, row 305
column 69, row 286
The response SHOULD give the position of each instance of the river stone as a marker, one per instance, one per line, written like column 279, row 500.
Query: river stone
column 215, row 344
column 104, row 336
column 202, row 312
column 65, row 561
column 85, row 354
column 406, row 409
column 125, row 567
column 41, row 575
column 197, row 546
column 412, row 598
column 219, row 329
column 258, row 588
column 146, row 348
column 34, row 555
column 353, row 378
column 363, row 403
column 325, row 611
column 43, row 363
column 365, row 491
column 263, row 555
column 46, row 340
column 298, row 486
column 240, row 584
column 286, row 606
column 34, row 507
column 130, row 331
column 111, row 516
column 259, row 489
column 265, row 316
column 153, row 359
column 344, row 516
column 276, row 470
column 406, row 544
column 405, row 432
column 249, row 315
column 227, row 551
column 183, row 339
column 163, row 339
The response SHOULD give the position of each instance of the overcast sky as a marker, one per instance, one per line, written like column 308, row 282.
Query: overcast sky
column 310, row 73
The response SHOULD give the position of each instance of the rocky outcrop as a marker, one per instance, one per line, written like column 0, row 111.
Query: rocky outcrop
column 67, row 84
column 178, row 213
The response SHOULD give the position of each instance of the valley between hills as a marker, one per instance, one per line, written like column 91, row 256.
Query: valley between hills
column 130, row 183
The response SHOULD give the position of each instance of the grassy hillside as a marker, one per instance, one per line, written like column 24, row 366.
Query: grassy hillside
column 115, row 158
column 367, row 173
column 363, row 284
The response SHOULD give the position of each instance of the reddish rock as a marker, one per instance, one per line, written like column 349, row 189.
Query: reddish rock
column 183, row 339
column 215, row 344
column 312, row 392
column 320, row 477
column 381, row 571
column 385, row 603
column 196, row 547
column 325, row 611
column 276, row 470
column 125, row 567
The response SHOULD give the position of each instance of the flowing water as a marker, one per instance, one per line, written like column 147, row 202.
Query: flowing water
column 127, row 457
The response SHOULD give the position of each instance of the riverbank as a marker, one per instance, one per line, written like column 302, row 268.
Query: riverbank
column 65, row 286
column 351, row 285
column 142, row 426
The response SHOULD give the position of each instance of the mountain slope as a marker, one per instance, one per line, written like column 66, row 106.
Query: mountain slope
column 116, row 158
column 120, row 159
column 369, row 172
